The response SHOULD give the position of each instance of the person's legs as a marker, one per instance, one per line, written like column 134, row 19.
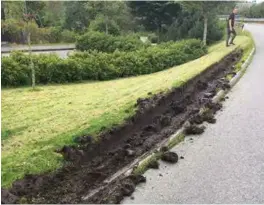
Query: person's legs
column 227, row 37
column 233, row 36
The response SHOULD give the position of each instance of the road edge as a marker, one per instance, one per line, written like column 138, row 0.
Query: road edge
column 177, row 136
column 139, row 165
column 70, row 47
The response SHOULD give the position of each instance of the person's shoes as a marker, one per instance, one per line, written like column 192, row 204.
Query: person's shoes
column 232, row 43
column 227, row 45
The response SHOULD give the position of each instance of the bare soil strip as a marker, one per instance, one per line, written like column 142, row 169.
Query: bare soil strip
column 90, row 163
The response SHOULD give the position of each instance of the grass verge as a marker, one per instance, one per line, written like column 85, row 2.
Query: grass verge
column 54, row 115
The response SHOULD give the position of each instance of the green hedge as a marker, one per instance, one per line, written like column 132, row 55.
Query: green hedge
column 96, row 65
column 17, row 32
column 108, row 43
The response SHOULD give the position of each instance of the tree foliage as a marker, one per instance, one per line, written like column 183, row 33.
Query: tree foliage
column 167, row 20
column 155, row 16
column 207, row 10
column 253, row 11
column 76, row 16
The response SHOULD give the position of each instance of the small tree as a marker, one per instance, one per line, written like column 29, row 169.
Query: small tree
column 28, row 28
column 206, row 9
column 109, row 13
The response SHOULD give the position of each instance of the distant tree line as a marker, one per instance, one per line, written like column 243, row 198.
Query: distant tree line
column 167, row 20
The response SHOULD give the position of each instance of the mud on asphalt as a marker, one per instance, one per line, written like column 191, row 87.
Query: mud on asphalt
column 90, row 163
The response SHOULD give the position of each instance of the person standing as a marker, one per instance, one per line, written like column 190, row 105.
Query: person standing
column 230, row 28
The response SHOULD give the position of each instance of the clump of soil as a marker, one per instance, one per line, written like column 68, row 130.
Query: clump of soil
column 170, row 157
column 119, row 190
column 194, row 129
column 214, row 107
column 208, row 116
column 71, row 153
column 164, row 149
column 84, row 139
column 196, row 119
column 8, row 198
column 224, row 84
column 165, row 121
column 201, row 85
column 153, row 164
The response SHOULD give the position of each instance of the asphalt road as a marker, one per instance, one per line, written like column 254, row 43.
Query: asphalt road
column 61, row 50
column 226, row 163
column 60, row 53
column 8, row 48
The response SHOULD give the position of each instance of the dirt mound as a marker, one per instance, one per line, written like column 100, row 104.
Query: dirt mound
column 154, row 164
column 194, row 129
column 90, row 163
column 8, row 198
column 170, row 157
column 118, row 190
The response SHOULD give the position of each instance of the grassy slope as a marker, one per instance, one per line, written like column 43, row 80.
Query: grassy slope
column 35, row 123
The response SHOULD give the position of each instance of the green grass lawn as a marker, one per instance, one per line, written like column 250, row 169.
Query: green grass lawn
column 34, row 123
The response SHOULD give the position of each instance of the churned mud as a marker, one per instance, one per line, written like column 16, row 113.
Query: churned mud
column 89, row 164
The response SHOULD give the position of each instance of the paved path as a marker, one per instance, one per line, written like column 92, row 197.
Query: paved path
column 226, row 163
column 8, row 49
column 61, row 50
column 60, row 53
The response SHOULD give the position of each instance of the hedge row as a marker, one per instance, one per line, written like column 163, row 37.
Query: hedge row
column 17, row 33
column 98, row 65
column 108, row 43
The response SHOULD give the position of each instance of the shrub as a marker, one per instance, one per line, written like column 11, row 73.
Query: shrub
column 17, row 32
column 98, row 24
column 95, row 65
column 68, row 36
column 15, row 70
column 107, row 43
column 55, row 34
column 14, row 30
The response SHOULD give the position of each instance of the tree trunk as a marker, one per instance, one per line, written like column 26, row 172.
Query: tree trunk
column 205, row 29
column 33, row 77
column 105, row 16
column 106, row 24
column 3, row 11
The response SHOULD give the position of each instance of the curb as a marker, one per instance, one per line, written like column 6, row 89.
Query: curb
column 176, row 137
column 235, row 79
column 220, row 94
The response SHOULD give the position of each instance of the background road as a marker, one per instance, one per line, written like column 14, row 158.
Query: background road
column 226, row 163
column 60, row 53
column 60, row 49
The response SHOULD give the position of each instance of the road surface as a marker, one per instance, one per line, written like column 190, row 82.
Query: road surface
column 8, row 48
column 60, row 49
column 60, row 53
column 226, row 163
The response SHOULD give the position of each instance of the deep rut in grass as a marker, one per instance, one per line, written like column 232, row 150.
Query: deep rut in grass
column 89, row 164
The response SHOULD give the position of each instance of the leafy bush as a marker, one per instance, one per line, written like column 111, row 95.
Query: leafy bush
column 17, row 32
column 98, row 24
column 15, row 70
column 191, row 26
column 107, row 43
column 68, row 36
column 14, row 30
column 95, row 65
column 152, row 37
